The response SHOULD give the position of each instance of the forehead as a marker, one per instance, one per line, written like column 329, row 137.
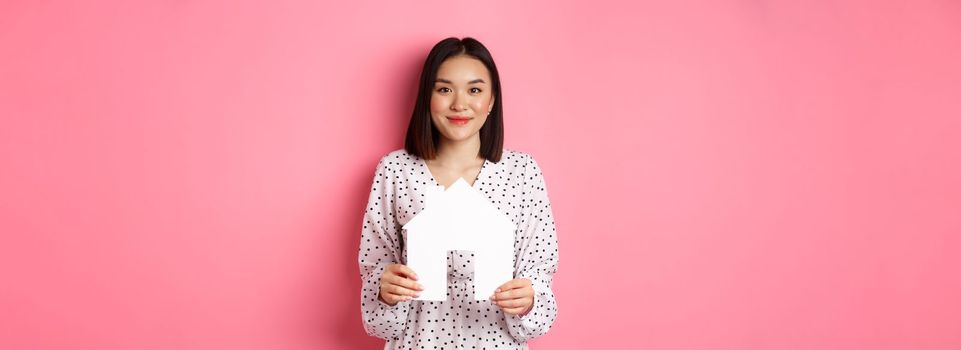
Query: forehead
column 461, row 69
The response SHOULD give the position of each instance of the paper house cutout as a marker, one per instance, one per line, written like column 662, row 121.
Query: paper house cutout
column 460, row 218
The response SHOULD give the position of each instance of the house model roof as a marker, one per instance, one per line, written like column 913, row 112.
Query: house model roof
column 460, row 200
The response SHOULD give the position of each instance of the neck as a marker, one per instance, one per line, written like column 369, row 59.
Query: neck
column 457, row 153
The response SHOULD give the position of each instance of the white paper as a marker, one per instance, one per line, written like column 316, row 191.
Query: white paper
column 460, row 218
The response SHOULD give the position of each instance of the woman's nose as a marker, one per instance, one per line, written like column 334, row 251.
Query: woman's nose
column 459, row 104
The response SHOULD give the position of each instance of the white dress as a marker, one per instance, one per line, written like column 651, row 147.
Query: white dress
column 516, row 187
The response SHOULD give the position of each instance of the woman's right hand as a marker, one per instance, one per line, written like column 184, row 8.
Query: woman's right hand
column 397, row 284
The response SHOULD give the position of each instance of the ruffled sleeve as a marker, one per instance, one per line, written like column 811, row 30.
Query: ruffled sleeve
column 536, row 256
column 380, row 246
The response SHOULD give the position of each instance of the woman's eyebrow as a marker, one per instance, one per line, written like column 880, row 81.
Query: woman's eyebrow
column 441, row 80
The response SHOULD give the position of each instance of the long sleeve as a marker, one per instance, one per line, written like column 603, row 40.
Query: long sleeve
column 537, row 256
column 380, row 246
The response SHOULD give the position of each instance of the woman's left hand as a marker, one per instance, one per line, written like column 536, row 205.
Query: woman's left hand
column 515, row 297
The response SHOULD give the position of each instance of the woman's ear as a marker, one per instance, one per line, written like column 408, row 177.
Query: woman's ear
column 491, row 107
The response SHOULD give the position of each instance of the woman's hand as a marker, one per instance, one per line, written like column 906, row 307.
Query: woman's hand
column 515, row 297
column 397, row 284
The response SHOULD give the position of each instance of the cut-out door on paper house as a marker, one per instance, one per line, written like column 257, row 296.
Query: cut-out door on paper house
column 460, row 218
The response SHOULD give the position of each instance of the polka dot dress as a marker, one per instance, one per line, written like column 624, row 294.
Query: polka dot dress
column 516, row 186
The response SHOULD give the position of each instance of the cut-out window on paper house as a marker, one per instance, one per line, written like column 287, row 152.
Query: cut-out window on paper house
column 460, row 218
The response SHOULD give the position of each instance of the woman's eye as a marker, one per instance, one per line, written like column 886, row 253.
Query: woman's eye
column 443, row 89
column 475, row 90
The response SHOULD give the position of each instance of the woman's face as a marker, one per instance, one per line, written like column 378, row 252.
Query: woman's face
column 462, row 98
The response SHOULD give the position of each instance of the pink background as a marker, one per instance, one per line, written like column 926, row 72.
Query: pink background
column 749, row 175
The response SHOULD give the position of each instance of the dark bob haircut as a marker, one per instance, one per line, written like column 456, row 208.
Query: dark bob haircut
column 422, row 136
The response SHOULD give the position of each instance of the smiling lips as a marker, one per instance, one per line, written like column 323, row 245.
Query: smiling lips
column 458, row 120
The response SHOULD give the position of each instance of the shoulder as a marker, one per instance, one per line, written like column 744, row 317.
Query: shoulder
column 396, row 159
column 519, row 159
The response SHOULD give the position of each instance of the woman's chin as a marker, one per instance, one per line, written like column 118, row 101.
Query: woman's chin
column 459, row 136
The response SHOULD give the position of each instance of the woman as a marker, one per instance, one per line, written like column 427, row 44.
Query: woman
column 456, row 131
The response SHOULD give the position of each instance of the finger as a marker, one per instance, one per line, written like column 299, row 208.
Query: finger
column 502, row 291
column 395, row 298
column 393, row 294
column 517, row 293
column 505, row 295
column 514, row 303
column 404, row 282
column 515, row 283
column 398, row 290
column 404, row 271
